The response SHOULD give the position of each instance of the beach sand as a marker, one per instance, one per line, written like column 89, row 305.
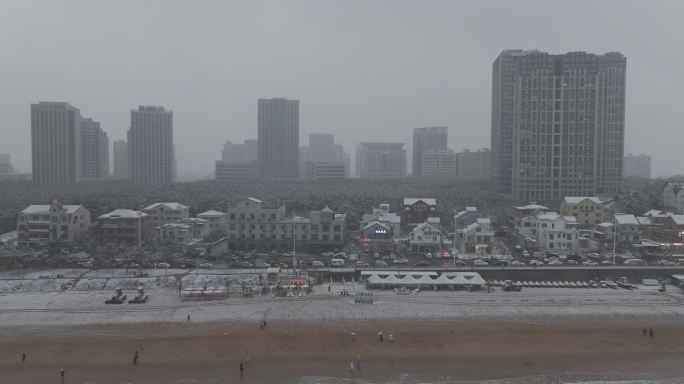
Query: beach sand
column 171, row 352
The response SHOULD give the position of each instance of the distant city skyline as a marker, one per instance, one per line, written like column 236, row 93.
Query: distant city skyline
column 434, row 68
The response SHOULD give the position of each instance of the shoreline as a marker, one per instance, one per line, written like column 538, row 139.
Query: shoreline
column 464, row 349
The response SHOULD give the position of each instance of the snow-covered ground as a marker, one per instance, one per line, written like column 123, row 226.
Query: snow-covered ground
column 37, row 303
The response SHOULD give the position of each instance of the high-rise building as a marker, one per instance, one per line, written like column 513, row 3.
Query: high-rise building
column 94, row 151
column 246, row 152
column 438, row 163
column 426, row 139
column 150, row 145
column 380, row 160
column 55, row 143
column 567, row 131
column 238, row 161
column 120, row 159
column 278, row 139
column 6, row 164
column 503, row 78
column 637, row 166
column 323, row 158
column 473, row 165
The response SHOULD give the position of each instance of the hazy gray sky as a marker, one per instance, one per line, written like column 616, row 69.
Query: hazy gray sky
column 363, row 70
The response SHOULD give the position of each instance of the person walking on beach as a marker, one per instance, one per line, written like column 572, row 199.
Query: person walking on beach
column 135, row 357
column 61, row 373
column 188, row 317
column 242, row 368
column 650, row 331
column 23, row 357
column 644, row 334
column 380, row 334
column 351, row 368
column 358, row 363
column 353, row 335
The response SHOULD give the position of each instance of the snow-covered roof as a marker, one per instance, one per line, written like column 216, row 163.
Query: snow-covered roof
column 254, row 200
column 533, row 206
column 678, row 219
column 644, row 220
column 570, row 219
column 123, row 214
column 434, row 220
column 411, row 200
column 176, row 225
column 211, row 213
column 373, row 223
column 471, row 209
column 9, row 236
column 626, row 219
column 578, row 199
column 655, row 213
column 45, row 209
column 484, row 221
column 420, row 227
column 326, row 209
column 549, row 216
column 605, row 225
column 167, row 205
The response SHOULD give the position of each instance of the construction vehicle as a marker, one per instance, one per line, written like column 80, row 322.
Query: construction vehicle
column 140, row 297
column 118, row 298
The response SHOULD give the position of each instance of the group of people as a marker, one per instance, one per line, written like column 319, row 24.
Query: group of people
column 650, row 332
column 363, row 297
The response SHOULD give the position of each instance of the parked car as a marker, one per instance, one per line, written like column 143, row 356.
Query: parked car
column 317, row 264
column 206, row 265
column 422, row 263
column 340, row 255
column 590, row 263
column 633, row 262
column 517, row 263
column 480, row 263
column 337, row 263
column 526, row 254
column 459, row 263
column 428, row 255
column 400, row 261
column 163, row 265
column 573, row 262
column 362, row 264
column 666, row 263
column 607, row 262
column 380, row 263
column 536, row 262
column 554, row 262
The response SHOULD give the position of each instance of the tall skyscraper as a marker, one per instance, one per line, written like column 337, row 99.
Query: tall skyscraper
column 278, row 138
column 473, row 165
column 426, row 139
column 380, row 160
column 150, row 145
column 55, row 143
column 637, row 166
column 94, row 151
column 120, row 160
column 438, row 163
column 566, row 123
column 503, row 79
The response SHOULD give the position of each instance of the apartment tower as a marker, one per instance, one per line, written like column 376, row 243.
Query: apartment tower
column 427, row 139
column 558, row 120
column 55, row 143
column 278, row 138
column 150, row 145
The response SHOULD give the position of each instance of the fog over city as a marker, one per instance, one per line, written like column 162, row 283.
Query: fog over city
column 363, row 70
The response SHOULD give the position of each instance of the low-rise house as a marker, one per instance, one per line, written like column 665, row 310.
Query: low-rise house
column 383, row 215
column 165, row 213
column 587, row 210
column 216, row 221
column 557, row 233
column 628, row 228
column 42, row 224
column 416, row 211
column 426, row 237
column 477, row 233
column 254, row 225
column 376, row 237
column 122, row 227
